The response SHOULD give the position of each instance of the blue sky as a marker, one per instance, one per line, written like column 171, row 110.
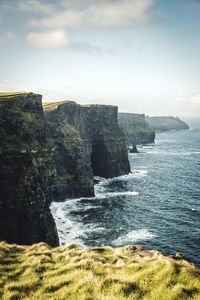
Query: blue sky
column 142, row 55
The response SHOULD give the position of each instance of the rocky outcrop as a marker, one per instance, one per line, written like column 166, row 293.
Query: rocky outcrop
column 87, row 142
column 136, row 129
column 27, row 172
column 166, row 123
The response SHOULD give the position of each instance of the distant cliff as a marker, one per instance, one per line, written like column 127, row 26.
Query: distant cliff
column 136, row 129
column 166, row 123
column 27, row 172
column 87, row 141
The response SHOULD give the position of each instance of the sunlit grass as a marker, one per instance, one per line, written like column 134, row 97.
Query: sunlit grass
column 53, row 105
column 12, row 94
column 39, row 272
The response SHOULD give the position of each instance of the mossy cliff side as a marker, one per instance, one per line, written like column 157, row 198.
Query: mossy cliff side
column 136, row 129
column 87, row 142
column 70, row 272
column 27, row 172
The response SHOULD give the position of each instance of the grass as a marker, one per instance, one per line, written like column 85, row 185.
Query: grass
column 12, row 94
column 104, row 273
column 54, row 105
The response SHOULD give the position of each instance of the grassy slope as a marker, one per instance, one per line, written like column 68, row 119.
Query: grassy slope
column 39, row 272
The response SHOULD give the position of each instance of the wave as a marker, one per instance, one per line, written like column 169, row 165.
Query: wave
column 134, row 173
column 68, row 231
column 134, row 236
column 116, row 194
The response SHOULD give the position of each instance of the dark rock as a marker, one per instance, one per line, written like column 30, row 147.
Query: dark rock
column 134, row 149
column 27, row 172
column 68, row 136
column 87, row 142
column 109, row 154
column 136, row 129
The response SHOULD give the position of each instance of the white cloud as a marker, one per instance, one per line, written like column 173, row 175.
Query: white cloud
column 99, row 14
column 48, row 39
column 36, row 6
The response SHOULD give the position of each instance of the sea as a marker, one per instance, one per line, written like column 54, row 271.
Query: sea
column 157, row 205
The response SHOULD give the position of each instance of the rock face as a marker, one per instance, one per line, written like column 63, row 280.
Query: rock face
column 26, row 173
column 166, row 123
column 109, row 156
column 68, row 136
column 136, row 129
column 87, row 142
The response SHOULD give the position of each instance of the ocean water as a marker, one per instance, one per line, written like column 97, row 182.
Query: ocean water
column 157, row 205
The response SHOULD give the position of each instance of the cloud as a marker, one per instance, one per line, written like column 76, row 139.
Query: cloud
column 7, row 37
column 48, row 39
column 36, row 7
column 56, row 39
column 195, row 99
column 89, row 14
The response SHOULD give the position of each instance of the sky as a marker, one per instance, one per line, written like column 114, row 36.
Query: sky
column 142, row 55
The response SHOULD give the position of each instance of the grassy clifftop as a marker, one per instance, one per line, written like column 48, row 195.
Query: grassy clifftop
column 39, row 272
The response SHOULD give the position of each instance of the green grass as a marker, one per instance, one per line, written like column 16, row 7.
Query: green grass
column 39, row 272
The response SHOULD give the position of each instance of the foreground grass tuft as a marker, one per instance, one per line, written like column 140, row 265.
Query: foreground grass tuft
column 40, row 272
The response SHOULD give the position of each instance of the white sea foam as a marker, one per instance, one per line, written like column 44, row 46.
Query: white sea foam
column 68, row 231
column 134, row 236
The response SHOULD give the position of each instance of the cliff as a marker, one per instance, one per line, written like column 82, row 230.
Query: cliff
column 166, row 123
column 26, row 173
column 67, row 134
column 109, row 155
column 136, row 129
column 70, row 272
column 87, row 142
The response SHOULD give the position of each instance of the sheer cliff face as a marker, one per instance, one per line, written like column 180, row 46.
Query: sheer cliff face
column 26, row 173
column 87, row 142
column 109, row 155
column 67, row 133
column 136, row 129
column 166, row 123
